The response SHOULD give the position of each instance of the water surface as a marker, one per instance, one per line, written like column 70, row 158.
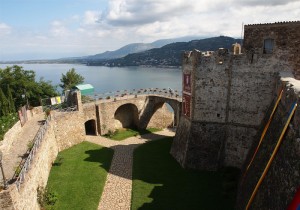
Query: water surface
column 105, row 79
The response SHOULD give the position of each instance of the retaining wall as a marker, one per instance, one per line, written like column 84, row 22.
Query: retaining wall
column 64, row 131
column 283, row 178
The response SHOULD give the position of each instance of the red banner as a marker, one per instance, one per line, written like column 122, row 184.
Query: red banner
column 186, row 105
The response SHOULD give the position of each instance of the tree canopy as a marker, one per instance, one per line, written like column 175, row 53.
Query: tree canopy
column 70, row 79
column 18, row 85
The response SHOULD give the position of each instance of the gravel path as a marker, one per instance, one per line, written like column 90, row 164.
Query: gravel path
column 13, row 157
column 117, row 190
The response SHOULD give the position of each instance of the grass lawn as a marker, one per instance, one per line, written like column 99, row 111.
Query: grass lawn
column 78, row 176
column 160, row 183
column 128, row 132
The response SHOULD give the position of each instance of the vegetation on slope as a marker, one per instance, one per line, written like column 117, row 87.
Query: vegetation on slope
column 171, row 54
column 18, row 85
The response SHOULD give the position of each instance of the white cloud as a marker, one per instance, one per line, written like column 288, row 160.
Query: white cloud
column 58, row 29
column 91, row 17
column 129, row 21
column 4, row 29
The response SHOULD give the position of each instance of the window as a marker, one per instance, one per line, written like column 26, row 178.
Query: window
column 268, row 46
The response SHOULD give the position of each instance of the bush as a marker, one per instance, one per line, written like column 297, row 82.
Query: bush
column 46, row 198
column 18, row 170
column 6, row 123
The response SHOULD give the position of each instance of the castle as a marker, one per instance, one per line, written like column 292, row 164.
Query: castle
column 227, row 99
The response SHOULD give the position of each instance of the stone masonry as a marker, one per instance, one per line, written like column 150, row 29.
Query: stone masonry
column 286, row 43
column 227, row 99
column 65, row 130
column 227, row 95
column 140, row 112
column 283, row 178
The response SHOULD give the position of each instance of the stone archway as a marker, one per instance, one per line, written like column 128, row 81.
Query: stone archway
column 126, row 116
column 90, row 127
column 163, row 116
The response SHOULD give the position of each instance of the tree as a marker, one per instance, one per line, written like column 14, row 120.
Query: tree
column 11, row 103
column 71, row 79
column 4, row 107
column 22, row 83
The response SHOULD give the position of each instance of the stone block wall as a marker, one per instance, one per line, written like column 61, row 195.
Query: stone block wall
column 286, row 36
column 64, row 131
column 12, row 133
column 283, row 178
column 68, row 128
column 230, row 96
column 162, row 118
column 9, row 137
column 181, row 141
column 26, row 197
column 144, row 111
column 107, row 112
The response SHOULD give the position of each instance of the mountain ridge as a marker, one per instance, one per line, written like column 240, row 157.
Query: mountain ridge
column 170, row 54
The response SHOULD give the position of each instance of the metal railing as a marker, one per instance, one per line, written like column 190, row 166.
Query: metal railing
column 36, row 144
column 126, row 94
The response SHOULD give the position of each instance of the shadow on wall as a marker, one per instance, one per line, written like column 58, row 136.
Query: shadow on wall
column 127, row 115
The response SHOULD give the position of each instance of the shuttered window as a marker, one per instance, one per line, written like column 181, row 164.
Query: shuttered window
column 268, row 46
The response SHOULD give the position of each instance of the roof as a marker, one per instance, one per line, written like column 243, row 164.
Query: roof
column 85, row 89
column 84, row 86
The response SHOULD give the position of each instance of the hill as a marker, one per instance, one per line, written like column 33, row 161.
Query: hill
column 168, row 55
column 135, row 48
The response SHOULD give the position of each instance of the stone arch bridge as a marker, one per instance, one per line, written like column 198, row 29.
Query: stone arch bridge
column 139, row 109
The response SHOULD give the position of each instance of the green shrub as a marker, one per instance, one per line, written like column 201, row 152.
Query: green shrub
column 30, row 145
column 18, row 170
column 6, row 123
column 46, row 198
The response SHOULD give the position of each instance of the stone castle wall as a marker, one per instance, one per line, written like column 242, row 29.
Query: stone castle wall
column 226, row 107
column 286, row 43
column 230, row 96
column 283, row 178
column 68, row 129
column 64, row 131
column 11, row 134
column 26, row 197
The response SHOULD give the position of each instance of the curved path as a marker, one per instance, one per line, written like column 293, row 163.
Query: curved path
column 117, row 190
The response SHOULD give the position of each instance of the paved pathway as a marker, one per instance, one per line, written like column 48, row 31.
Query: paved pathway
column 13, row 157
column 117, row 190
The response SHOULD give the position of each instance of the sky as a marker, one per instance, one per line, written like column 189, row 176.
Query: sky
column 47, row 29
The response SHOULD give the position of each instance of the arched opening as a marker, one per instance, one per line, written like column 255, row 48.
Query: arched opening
column 163, row 116
column 127, row 115
column 90, row 127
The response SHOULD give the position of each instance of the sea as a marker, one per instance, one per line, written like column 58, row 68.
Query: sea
column 106, row 79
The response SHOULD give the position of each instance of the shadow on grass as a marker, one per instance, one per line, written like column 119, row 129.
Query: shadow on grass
column 159, row 182
column 129, row 132
column 99, row 156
